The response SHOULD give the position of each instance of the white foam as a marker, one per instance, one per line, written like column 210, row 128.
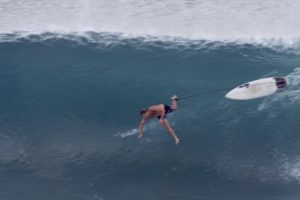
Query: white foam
column 231, row 20
column 132, row 132
column 128, row 133
column 291, row 169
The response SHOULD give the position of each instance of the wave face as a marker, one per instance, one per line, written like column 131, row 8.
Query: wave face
column 69, row 112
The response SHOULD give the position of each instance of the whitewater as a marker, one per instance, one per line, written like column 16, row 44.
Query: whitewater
column 75, row 74
column 209, row 20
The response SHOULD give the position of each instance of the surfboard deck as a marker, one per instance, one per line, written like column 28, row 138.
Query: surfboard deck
column 257, row 88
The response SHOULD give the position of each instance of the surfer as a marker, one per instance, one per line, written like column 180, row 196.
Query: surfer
column 160, row 111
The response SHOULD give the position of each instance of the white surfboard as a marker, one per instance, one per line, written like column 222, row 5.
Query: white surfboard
column 258, row 88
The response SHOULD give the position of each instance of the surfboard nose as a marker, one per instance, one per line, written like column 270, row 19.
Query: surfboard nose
column 234, row 94
column 229, row 95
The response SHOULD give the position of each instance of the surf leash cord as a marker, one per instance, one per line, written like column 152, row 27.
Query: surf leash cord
column 279, row 82
column 204, row 93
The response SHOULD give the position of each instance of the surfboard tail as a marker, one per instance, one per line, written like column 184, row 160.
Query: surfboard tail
column 281, row 83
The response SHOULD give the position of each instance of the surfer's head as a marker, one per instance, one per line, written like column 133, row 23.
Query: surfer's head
column 143, row 111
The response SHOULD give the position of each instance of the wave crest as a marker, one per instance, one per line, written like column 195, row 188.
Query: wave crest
column 109, row 40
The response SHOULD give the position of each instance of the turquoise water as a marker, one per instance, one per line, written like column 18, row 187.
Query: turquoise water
column 75, row 74
column 69, row 110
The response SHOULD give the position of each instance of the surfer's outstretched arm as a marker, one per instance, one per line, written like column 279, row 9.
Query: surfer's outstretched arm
column 141, row 129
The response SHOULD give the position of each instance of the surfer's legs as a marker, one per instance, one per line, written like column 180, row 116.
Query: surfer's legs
column 170, row 130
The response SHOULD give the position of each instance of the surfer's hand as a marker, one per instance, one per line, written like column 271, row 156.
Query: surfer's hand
column 175, row 97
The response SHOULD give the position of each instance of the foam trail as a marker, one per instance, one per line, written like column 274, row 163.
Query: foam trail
column 128, row 133
column 135, row 131
column 149, row 126
column 291, row 169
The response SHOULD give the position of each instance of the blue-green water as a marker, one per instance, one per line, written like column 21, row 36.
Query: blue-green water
column 69, row 110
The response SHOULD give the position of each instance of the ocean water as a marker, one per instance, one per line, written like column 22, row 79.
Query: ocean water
column 74, row 75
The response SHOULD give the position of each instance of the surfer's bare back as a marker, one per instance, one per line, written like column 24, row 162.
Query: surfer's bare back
column 160, row 111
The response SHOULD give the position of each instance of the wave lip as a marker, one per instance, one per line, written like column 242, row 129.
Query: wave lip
column 107, row 39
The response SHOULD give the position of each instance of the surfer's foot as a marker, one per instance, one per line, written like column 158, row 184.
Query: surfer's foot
column 175, row 97
column 177, row 140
